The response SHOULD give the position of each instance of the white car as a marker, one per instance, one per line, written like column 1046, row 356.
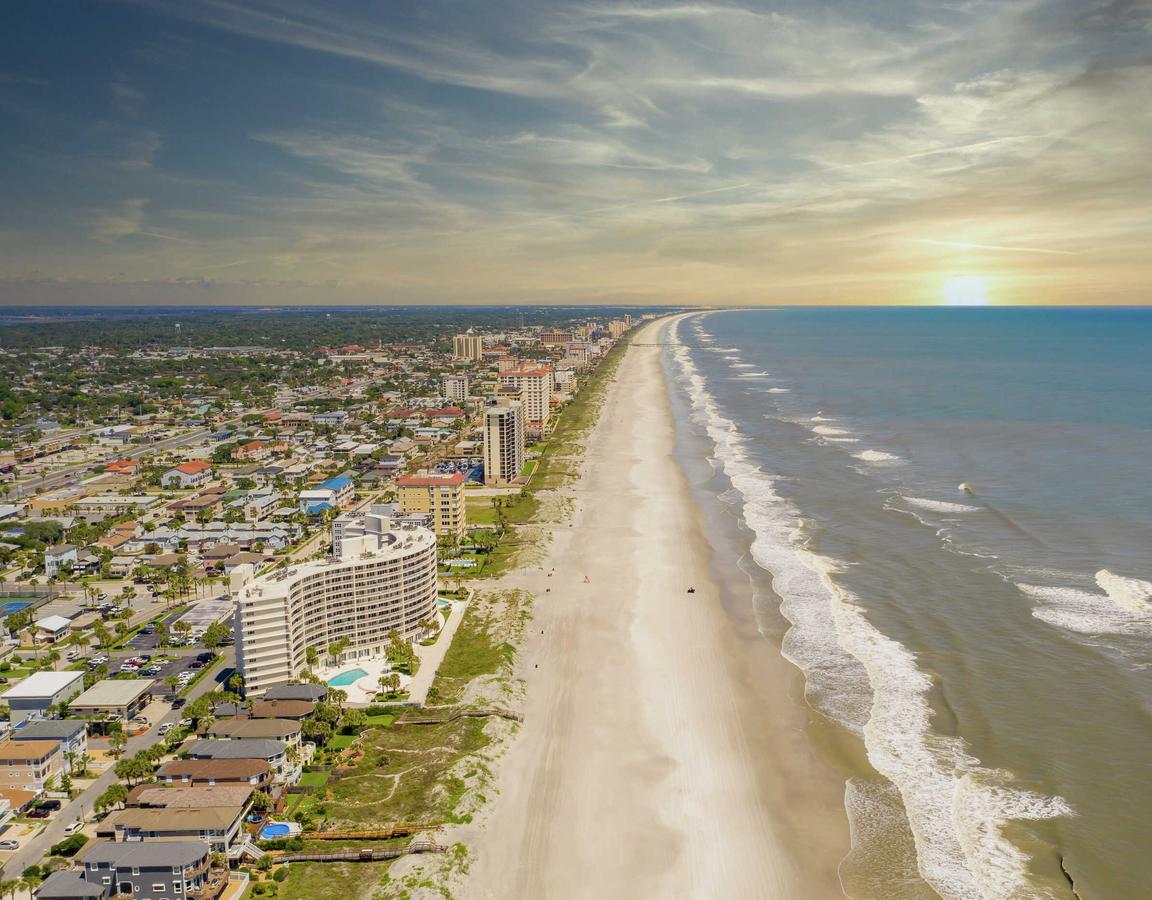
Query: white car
column 9, row 845
column 73, row 827
column 166, row 727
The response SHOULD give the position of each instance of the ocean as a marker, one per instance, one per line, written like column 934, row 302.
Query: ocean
column 945, row 517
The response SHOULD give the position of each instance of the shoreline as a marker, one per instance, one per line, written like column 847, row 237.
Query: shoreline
column 663, row 752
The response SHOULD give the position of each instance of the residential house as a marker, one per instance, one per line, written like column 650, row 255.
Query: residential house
column 70, row 734
column 29, row 765
column 254, row 772
column 122, row 467
column 295, row 710
column 270, row 751
column 189, row 475
column 242, row 729
column 335, row 493
column 218, row 825
column 59, row 558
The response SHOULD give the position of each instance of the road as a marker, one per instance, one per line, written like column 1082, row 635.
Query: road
column 33, row 850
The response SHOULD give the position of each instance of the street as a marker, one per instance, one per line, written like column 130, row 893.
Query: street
column 31, row 851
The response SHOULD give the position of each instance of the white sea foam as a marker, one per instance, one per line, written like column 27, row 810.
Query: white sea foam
column 743, row 365
column 939, row 505
column 821, row 419
column 778, row 390
column 1132, row 595
column 956, row 808
column 829, row 431
column 753, row 375
column 1087, row 612
column 876, row 456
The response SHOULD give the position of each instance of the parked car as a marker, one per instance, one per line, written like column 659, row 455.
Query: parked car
column 166, row 727
column 9, row 845
column 206, row 657
column 152, row 670
column 73, row 827
column 50, row 805
column 178, row 702
column 38, row 814
column 195, row 664
column 185, row 723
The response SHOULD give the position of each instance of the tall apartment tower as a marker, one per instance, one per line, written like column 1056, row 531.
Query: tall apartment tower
column 535, row 392
column 503, row 442
column 455, row 387
column 469, row 347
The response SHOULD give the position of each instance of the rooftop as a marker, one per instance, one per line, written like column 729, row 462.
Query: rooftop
column 49, row 729
column 451, row 480
column 42, row 684
column 312, row 692
column 26, row 751
column 213, row 768
column 205, row 817
column 113, row 692
column 254, row 728
column 147, row 854
column 253, row 748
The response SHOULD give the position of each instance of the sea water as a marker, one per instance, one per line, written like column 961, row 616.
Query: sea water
column 954, row 510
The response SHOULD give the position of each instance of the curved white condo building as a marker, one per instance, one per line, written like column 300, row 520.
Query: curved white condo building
column 383, row 581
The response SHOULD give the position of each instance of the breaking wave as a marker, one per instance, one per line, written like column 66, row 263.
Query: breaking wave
column 956, row 808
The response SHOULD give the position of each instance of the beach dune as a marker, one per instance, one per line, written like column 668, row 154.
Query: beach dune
column 663, row 751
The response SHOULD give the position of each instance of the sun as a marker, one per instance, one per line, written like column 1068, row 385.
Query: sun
column 965, row 290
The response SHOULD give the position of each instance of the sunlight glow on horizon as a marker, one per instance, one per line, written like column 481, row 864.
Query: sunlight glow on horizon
column 965, row 290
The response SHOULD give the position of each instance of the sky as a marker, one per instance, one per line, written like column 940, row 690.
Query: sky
column 389, row 151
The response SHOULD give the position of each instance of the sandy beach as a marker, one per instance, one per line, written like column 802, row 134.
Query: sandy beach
column 663, row 752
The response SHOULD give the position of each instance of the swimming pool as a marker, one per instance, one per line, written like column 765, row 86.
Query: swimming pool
column 346, row 678
column 274, row 830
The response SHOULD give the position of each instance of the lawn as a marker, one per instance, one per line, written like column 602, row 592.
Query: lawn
column 339, row 742
column 384, row 720
column 315, row 779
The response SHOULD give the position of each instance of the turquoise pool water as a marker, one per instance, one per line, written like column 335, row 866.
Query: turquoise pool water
column 274, row 830
column 346, row 678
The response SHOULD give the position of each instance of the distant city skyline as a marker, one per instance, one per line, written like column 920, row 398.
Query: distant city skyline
column 281, row 152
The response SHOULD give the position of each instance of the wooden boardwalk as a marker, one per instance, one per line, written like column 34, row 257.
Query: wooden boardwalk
column 460, row 714
column 365, row 855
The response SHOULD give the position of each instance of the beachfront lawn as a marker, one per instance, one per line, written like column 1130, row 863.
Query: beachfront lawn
column 340, row 742
column 384, row 720
column 314, row 779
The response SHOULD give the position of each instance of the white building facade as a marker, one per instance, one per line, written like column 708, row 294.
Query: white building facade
column 381, row 582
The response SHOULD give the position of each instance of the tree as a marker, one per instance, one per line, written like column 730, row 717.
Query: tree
column 113, row 796
column 261, row 801
column 338, row 697
column 215, row 635
column 312, row 657
column 316, row 730
column 354, row 721
column 117, row 741
column 236, row 683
